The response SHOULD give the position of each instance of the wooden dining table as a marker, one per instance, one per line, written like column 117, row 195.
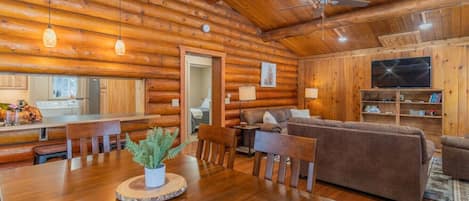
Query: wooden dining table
column 96, row 178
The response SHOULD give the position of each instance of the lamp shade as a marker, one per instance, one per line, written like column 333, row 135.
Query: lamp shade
column 49, row 38
column 311, row 93
column 247, row 93
column 119, row 47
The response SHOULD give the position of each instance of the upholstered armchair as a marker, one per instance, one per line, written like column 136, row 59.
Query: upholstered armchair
column 456, row 156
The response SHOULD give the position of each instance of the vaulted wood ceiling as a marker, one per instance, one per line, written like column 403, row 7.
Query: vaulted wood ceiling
column 448, row 22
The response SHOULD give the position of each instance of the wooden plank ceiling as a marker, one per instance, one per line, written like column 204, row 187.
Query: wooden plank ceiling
column 448, row 22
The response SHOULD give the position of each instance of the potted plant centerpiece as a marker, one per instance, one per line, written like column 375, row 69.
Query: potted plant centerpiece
column 152, row 152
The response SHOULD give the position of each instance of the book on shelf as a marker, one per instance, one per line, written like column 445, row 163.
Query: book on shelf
column 435, row 98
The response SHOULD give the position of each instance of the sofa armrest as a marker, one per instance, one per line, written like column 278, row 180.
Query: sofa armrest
column 457, row 142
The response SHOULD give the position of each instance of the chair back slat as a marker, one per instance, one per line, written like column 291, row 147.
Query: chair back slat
column 208, row 145
column 106, row 144
column 118, row 142
column 94, row 144
column 214, row 155
column 86, row 132
column 295, row 172
column 295, row 148
column 257, row 164
column 282, row 170
column 221, row 159
column 214, row 142
column 200, row 149
column 269, row 166
column 83, row 147
column 69, row 150
column 311, row 177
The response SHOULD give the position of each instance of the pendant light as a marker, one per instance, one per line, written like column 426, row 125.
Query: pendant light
column 120, row 45
column 49, row 38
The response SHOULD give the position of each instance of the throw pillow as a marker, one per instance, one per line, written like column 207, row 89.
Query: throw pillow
column 300, row 113
column 269, row 118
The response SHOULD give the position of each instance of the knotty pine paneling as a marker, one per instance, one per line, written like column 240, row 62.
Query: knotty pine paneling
column 152, row 31
column 340, row 78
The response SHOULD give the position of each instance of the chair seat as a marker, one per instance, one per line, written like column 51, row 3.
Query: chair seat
column 50, row 149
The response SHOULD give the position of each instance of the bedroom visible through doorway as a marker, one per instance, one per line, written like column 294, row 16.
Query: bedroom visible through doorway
column 199, row 93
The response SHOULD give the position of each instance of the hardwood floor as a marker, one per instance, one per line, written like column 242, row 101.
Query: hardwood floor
column 245, row 164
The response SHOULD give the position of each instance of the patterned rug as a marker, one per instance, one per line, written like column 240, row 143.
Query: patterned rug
column 441, row 187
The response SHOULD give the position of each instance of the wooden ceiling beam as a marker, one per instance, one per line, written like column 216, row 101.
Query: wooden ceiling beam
column 370, row 14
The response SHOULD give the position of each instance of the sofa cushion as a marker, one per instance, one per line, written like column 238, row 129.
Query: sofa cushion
column 319, row 122
column 300, row 113
column 383, row 128
column 279, row 114
column 269, row 118
column 253, row 116
column 388, row 128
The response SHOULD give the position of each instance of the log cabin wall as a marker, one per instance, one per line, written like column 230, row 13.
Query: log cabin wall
column 152, row 31
column 340, row 77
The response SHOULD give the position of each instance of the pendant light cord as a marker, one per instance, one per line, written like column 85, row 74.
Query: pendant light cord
column 49, row 26
column 120, row 19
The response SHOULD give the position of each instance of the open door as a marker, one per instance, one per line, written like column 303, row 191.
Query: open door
column 217, row 87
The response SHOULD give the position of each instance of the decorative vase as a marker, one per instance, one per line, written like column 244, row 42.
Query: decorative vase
column 155, row 177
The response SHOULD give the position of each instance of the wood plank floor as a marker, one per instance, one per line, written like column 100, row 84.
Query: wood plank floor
column 245, row 164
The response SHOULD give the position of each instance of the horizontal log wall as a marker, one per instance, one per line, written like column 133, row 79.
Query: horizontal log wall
column 339, row 80
column 152, row 31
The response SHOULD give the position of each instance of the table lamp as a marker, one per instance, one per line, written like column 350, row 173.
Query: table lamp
column 310, row 93
column 246, row 93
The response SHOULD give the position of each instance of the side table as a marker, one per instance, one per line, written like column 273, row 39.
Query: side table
column 249, row 132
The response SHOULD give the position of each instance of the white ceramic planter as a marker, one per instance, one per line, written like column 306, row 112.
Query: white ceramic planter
column 155, row 177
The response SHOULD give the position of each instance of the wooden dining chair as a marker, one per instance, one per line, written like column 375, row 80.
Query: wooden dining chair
column 286, row 146
column 84, row 132
column 214, row 143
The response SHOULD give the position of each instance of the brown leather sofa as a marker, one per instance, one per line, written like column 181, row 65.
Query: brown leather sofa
column 255, row 117
column 385, row 160
column 456, row 157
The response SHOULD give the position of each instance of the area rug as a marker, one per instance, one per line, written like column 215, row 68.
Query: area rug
column 441, row 187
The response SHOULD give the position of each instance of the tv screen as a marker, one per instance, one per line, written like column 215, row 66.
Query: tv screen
column 402, row 73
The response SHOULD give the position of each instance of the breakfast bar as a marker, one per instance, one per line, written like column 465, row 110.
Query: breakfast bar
column 61, row 121
column 17, row 143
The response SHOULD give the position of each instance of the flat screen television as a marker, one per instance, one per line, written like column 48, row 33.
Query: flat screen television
column 402, row 73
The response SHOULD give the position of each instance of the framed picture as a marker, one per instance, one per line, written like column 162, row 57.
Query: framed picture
column 268, row 74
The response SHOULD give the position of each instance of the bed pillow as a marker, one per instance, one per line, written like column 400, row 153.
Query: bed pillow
column 269, row 118
column 300, row 113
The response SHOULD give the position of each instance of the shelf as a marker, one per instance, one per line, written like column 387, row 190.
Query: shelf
column 401, row 90
column 378, row 114
column 426, row 116
column 419, row 103
column 382, row 102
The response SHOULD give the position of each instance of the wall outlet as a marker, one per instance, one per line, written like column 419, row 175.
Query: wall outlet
column 175, row 102
column 43, row 135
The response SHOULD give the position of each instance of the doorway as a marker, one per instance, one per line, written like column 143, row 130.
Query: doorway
column 215, row 95
column 198, row 92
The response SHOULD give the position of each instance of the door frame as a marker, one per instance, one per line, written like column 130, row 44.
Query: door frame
column 218, row 86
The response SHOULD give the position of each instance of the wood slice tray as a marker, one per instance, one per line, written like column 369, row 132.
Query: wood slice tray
column 134, row 189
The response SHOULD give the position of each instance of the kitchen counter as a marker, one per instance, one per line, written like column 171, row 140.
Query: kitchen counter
column 61, row 121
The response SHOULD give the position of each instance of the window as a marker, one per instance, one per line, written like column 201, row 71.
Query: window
column 64, row 87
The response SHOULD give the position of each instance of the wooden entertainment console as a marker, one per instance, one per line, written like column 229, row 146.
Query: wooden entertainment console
column 406, row 107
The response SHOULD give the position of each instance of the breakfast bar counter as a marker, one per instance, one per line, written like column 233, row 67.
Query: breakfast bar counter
column 61, row 121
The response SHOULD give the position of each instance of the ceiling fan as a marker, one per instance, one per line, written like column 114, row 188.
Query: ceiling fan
column 319, row 5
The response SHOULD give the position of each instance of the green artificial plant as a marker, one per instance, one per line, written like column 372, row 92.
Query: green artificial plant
column 155, row 149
